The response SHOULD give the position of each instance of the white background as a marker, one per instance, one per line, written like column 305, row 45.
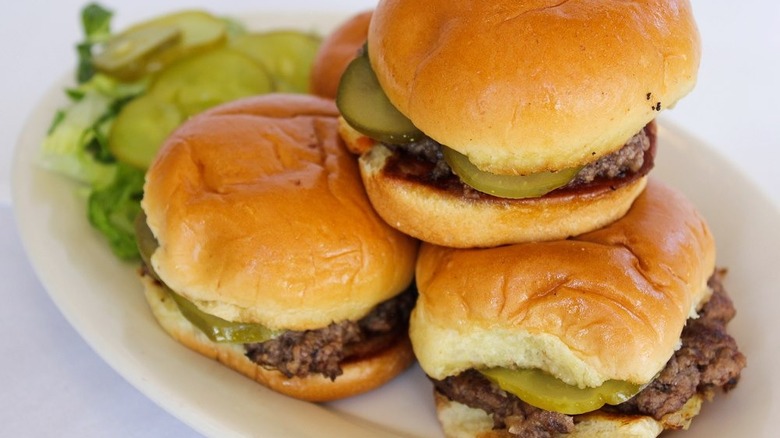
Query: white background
column 52, row 383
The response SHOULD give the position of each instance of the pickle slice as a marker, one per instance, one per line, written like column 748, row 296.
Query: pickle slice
column 140, row 128
column 185, row 88
column 195, row 31
column 507, row 186
column 199, row 82
column 221, row 330
column 200, row 31
column 544, row 391
column 216, row 328
column 364, row 105
column 286, row 55
column 127, row 54
column 147, row 243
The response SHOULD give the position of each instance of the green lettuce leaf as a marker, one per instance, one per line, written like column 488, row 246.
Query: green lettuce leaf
column 112, row 210
column 96, row 25
column 77, row 142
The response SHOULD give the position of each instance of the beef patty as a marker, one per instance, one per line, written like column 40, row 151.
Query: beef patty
column 323, row 351
column 708, row 359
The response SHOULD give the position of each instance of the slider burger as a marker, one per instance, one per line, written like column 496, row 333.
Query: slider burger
column 616, row 332
column 263, row 252
column 494, row 122
column 335, row 53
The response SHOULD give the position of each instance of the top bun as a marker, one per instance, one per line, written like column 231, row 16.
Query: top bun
column 261, row 217
column 337, row 50
column 610, row 304
column 525, row 87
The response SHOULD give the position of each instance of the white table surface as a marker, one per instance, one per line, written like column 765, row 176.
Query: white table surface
column 54, row 384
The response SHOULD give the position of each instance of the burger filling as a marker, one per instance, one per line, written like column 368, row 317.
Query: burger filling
column 323, row 351
column 428, row 162
column 707, row 360
column 295, row 353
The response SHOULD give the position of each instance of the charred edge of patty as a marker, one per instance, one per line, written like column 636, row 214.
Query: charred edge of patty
column 422, row 162
column 324, row 351
column 707, row 360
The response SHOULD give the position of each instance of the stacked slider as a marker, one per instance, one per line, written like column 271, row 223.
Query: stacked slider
column 562, row 290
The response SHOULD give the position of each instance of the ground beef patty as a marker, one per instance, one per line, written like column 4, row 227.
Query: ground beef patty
column 708, row 359
column 473, row 389
column 424, row 162
column 322, row 351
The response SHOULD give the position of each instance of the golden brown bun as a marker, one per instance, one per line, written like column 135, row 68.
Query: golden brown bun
column 358, row 377
column 524, row 87
column 446, row 219
column 337, row 50
column 610, row 304
column 261, row 217
column 460, row 421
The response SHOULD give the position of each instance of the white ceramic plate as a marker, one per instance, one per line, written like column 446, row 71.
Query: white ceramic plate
column 103, row 300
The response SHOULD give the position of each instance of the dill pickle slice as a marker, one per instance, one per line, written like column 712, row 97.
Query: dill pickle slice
column 195, row 31
column 544, row 391
column 126, row 54
column 507, row 186
column 184, row 89
column 200, row 31
column 140, row 128
column 217, row 76
column 218, row 329
column 364, row 105
column 146, row 242
column 286, row 55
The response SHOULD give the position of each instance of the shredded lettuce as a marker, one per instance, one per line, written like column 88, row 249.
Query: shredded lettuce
column 96, row 24
column 76, row 144
column 112, row 210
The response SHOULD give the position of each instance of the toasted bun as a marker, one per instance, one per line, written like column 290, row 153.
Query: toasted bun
column 261, row 217
column 336, row 51
column 524, row 87
column 461, row 421
column 359, row 376
column 447, row 219
column 610, row 304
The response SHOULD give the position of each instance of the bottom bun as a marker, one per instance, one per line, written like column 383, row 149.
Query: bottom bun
column 358, row 377
column 443, row 218
column 460, row 421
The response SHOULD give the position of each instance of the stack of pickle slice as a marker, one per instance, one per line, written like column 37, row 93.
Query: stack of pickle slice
column 194, row 60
